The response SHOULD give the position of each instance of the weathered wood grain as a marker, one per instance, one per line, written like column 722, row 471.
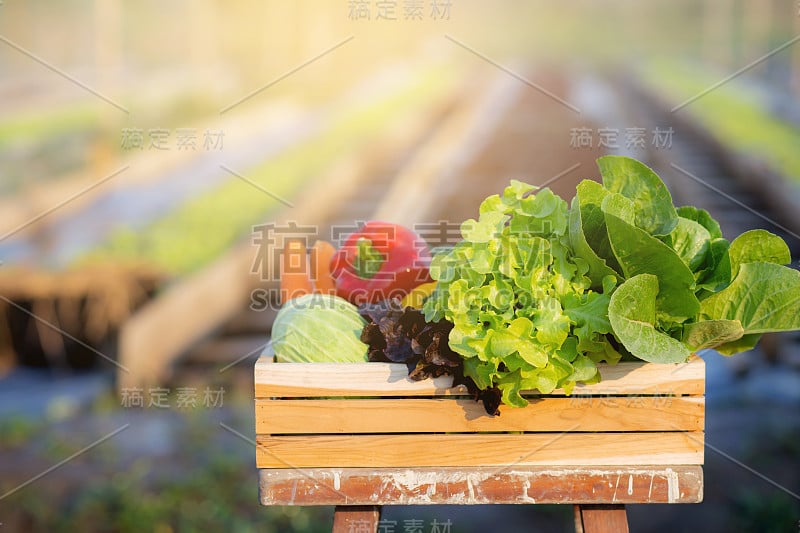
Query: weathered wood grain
column 351, row 519
column 439, row 415
column 468, row 450
column 474, row 486
column 316, row 380
column 601, row 519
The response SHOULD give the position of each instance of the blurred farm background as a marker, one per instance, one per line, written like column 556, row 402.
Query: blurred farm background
column 153, row 155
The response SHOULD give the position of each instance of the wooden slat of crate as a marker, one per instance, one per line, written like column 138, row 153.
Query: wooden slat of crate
column 439, row 415
column 298, row 380
column 457, row 486
column 470, row 450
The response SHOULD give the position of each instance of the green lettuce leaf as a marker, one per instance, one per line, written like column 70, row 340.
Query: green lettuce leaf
column 691, row 241
column 590, row 196
column 632, row 313
column 655, row 213
column 764, row 297
column 717, row 272
column 702, row 217
column 517, row 337
column 743, row 344
column 640, row 253
column 711, row 333
column 758, row 245
column 598, row 269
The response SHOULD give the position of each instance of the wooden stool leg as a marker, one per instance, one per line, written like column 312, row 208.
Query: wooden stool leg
column 356, row 518
column 601, row 519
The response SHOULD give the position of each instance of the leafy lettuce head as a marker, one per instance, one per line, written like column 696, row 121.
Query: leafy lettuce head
column 524, row 314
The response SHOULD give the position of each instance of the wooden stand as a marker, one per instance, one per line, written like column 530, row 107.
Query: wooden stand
column 364, row 519
column 601, row 519
column 359, row 436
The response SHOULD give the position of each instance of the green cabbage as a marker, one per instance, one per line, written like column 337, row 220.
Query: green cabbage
column 318, row 328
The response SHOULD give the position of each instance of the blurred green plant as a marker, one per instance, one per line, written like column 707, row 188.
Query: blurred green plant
column 207, row 487
column 218, row 496
column 757, row 512
column 206, row 226
column 782, row 445
column 762, row 508
column 16, row 431
column 42, row 145
column 732, row 112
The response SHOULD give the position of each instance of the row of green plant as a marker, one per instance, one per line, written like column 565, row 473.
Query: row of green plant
column 205, row 226
column 46, row 144
column 737, row 114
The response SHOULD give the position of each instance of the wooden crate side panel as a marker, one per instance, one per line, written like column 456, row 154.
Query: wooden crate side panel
column 478, row 486
column 468, row 450
column 383, row 379
column 315, row 380
column 439, row 415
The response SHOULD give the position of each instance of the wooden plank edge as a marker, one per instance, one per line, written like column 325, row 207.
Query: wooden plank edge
column 453, row 415
column 479, row 450
column 479, row 486
column 388, row 379
column 350, row 519
column 601, row 518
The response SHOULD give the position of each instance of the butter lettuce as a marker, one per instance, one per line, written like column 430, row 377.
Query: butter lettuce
column 705, row 292
column 632, row 311
column 654, row 210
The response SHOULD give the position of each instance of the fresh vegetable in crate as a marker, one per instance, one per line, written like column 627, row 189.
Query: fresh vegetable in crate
column 380, row 261
column 398, row 333
column 539, row 292
column 318, row 328
column 315, row 325
column 305, row 271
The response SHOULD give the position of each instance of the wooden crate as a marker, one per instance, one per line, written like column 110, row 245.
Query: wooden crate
column 364, row 434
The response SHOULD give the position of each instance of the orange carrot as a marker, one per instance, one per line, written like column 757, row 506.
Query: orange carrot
column 321, row 254
column 295, row 280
